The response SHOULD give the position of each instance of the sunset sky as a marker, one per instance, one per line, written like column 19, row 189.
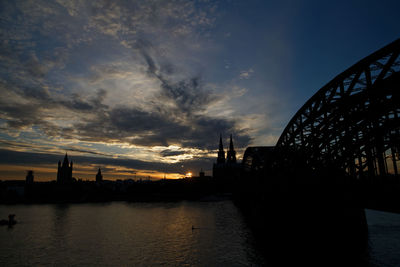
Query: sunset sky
column 144, row 88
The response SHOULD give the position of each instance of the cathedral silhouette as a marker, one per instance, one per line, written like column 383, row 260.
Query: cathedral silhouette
column 229, row 168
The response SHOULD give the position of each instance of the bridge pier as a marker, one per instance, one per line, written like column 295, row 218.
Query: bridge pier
column 303, row 223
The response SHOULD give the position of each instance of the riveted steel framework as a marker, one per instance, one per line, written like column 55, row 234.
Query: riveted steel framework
column 257, row 158
column 354, row 120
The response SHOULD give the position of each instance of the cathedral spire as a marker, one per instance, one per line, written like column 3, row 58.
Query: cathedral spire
column 231, row 154
column 66, row 162
column 221, row 152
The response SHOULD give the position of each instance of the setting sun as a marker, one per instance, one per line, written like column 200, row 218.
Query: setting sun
column 189, row 175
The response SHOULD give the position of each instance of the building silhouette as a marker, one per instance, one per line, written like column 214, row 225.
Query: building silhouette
column 99, row 176
column 64, row 173
column 226, row 169
column 221, row 152
column 29, row 177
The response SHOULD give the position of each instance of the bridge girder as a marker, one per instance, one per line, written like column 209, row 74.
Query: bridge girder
column 353, row 122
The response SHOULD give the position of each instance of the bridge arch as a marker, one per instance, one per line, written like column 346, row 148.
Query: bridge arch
column 353, row 121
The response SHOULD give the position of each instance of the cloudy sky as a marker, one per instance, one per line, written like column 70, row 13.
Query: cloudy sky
column 144, row 88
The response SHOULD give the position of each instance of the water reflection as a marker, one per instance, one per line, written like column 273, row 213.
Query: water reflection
column 129, row 234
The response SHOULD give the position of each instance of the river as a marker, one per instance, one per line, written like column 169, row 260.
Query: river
column 384, row 238
column 152, row 234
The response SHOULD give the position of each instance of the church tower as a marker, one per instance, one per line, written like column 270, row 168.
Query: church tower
column 231, row 154
column 29, row 177
column 64, row 172
column 221, row 152
column 99, row 176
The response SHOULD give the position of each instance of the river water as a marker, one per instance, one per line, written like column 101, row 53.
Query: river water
column 152, row 234
column 384, row 238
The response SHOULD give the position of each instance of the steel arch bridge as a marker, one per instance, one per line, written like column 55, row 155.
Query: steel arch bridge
column 353, row 122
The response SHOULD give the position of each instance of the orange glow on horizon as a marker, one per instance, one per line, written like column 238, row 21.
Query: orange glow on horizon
column 48, row 172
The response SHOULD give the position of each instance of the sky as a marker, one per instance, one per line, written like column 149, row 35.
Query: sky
column 145, row 88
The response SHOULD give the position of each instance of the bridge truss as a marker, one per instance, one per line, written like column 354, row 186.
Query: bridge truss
column 353, row 121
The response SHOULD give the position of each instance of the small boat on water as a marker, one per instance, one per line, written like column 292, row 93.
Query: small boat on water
column 10, row 222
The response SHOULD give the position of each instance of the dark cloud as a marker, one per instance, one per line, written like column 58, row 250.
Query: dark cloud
column 170, row 153
column 19, row 116
column 136, row 121
column 85, row 151
column 36, row 105
column 34, row 66
column 149, row 129
column 143, row 46
column 34, row 93
column 188, row 95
